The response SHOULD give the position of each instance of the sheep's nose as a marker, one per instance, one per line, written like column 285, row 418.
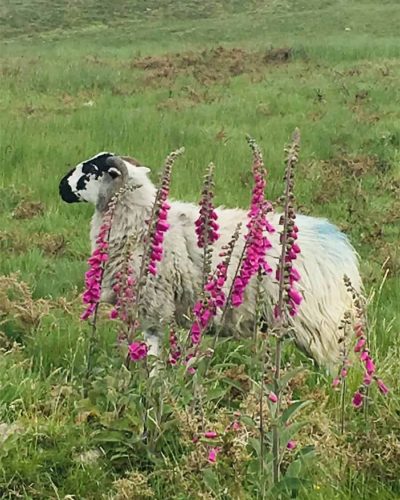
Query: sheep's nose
column 66, row 192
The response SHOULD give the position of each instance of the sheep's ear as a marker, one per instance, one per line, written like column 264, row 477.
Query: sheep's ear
column 136, row 163
column 131, row 160
column 145, row 170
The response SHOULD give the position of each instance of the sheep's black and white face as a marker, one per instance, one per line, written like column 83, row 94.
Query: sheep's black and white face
column 83, row 182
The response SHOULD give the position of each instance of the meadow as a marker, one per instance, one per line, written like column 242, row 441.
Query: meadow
column 143, row 79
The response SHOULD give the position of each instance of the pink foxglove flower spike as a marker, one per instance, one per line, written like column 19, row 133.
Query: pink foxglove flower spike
column 257, row 243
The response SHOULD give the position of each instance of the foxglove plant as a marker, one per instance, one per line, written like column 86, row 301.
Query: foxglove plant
column 213, row 298
column 157, row 225
column 174, row 348
column 361, row 348
column 97, row 262
column 256, row 241
column 288, row 297
column 138, row 350
column 206, row 226
column 213, row 295
column 340, row 379
column 99, row 256
column 124, row 289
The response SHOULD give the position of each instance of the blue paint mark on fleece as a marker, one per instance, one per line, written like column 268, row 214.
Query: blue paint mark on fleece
column 335, row 243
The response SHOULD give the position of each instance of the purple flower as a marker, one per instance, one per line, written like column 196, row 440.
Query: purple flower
column 94, row 275
column 357, row 400
column 138, row 351
column 196, row 333
column 291, row 445
column 273, row 397
column 382, row 387
column 174, row 349
column 124, row 290
column 295, row 296
column 360, row 344
column 367, row 378
column 205, row 310
column 212, row 455
column 369, row 365
column 160, row 227
column 206, row 227
column 236, row 426
column 257, row 243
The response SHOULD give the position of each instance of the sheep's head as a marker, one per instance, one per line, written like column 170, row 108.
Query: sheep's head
column 98, row 176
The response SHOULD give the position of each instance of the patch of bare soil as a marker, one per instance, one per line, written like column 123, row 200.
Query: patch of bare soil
column 209, row 66
column 28, row 210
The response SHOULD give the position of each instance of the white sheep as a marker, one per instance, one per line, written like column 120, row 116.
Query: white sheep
column 326, row 256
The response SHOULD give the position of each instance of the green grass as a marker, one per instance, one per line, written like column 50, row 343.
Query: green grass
column 70, row 87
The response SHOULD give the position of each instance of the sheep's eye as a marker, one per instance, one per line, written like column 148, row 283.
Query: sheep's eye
column 114, row 172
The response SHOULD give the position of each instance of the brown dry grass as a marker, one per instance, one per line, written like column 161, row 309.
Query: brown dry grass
column 208, row 66
column 17, row 242
column 17, row 304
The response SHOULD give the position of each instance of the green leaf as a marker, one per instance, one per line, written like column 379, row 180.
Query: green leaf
column 307, row 452
column 287, row 433
column 234, row 384
column 211, row 480
column 255, row 444
column 292, row 410
column 216, row 393
column 287, row 377
column 294, row 469
column 289, row 485
column 248, row 421
column 303, row 457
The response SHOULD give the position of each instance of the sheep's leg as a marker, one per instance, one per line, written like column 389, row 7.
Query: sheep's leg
column 153, row 341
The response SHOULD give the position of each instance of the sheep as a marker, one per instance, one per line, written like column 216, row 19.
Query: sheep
column 326, row 256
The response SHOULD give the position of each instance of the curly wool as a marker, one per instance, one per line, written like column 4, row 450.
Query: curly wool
column 169, row 296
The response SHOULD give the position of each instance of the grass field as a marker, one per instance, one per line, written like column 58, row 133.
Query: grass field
column 144, row 78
